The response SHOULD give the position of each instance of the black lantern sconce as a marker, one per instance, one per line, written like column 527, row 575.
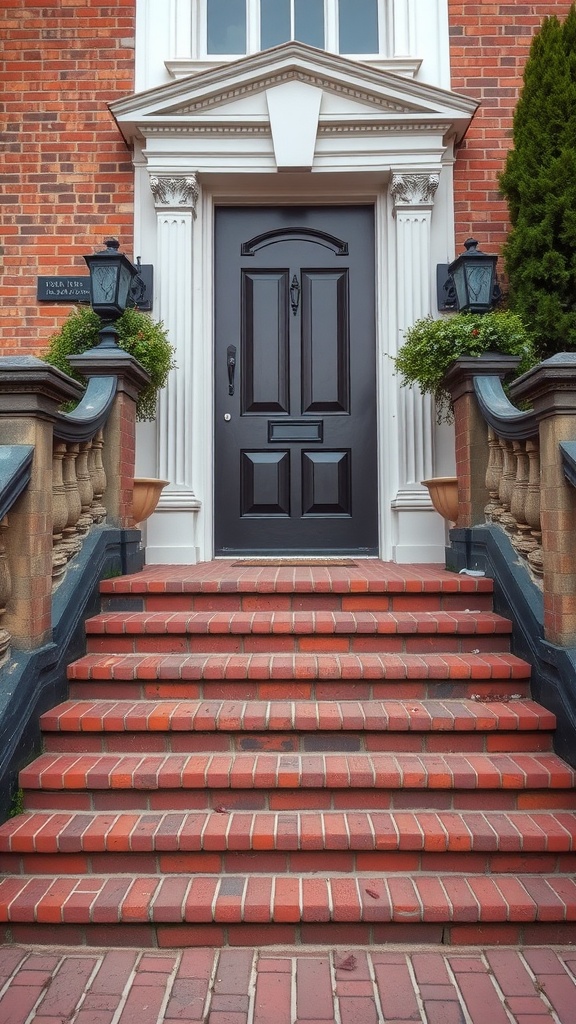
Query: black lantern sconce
column 469, row 284
column 111, row 279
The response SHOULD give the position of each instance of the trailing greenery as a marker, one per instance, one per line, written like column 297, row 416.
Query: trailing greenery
column 138, row 334
column 539, row 184
column 17, row 805
column 431, row 346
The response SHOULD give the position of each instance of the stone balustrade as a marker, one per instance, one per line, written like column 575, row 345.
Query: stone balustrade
column 513, row 470
column 61, row 476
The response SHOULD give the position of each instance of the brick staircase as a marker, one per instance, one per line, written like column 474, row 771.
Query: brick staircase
column 255, row 755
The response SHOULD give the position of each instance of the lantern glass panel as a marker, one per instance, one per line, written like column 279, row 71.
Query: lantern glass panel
column 125, row 279
column 104, row 278
column 480, row 277
column 459, row 278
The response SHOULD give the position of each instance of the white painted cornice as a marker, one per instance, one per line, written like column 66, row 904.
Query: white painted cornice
column 368, row 92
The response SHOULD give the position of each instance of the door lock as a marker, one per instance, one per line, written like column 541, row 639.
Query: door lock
column 227, row 417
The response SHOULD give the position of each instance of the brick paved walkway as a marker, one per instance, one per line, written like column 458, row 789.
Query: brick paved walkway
column 48, row 985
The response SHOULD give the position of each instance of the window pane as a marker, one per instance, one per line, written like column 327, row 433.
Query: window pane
column 358, row 25
column 274, row 22
column 309, row 22
column 226, row 26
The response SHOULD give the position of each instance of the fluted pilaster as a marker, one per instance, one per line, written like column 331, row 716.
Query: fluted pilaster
column 413, row 198
column 175, row 200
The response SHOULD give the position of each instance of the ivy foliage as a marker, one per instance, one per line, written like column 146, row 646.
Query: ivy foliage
column 138, row 334
column 431, row 346
column 539, row 184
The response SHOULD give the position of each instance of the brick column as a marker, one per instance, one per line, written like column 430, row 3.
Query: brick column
column 30, row 393
column 551, row 388
column 119, row 453
column 471, row 433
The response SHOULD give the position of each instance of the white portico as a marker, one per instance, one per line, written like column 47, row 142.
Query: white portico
column 291, row 125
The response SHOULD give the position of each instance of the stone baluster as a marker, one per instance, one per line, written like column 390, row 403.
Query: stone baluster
column 98, row 478
column 534, row 553
column 5, row 589
column 519, row 495
column 84, row 489
column 493, row 476
column 71, row 542
column 59, row 511
column 507, row 485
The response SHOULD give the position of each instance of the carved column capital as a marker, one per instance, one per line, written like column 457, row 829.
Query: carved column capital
column 414, row 190
column 175, row 193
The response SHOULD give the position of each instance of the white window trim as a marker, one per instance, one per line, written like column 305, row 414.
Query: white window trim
column 331, row 43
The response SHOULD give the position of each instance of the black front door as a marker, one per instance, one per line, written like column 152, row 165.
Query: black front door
column 295, row 378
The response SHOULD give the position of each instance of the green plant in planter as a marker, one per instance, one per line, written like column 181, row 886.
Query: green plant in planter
column 431, row 346
column 138, row 334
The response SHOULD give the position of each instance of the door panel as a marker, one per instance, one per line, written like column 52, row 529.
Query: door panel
column 265, row 337
column 295, row 432
column 325, row 334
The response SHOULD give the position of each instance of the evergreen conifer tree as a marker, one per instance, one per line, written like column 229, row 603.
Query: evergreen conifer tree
column 539, row 184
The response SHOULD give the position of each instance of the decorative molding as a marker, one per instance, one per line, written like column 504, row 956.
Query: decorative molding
column 232, row 128
column 178, row 501
column 326, row 128
column 380, row 128
column 414, row 189
column 175, row 192
column 290, row 75
column 407, row 67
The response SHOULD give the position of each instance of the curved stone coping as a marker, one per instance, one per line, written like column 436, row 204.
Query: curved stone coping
column 15, row 472
column 568, row 454
column 91, row 413
column 498, row 411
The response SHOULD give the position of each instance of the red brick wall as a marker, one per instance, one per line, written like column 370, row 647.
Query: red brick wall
column 67, row 178
column 489, row 43
column 67, row 174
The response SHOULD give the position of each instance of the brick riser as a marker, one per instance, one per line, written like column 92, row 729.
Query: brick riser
column 263, row 756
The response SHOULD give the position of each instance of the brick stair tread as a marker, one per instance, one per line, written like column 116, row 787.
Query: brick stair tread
column 46, row 832
column 291, row 771
column 299, row 666
column 225, row 577
column 329, row 623
column 268, row 898
column 258, row 715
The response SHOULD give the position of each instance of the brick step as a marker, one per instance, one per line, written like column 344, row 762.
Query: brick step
column 89, row 726
column 175, row 911
column 336, row 632
column 151, row 781
column 225, row 578
column 243, row 841
column 297, row 676
column 437, row 599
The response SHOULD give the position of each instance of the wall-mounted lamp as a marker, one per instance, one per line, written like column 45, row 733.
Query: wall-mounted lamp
column 468, row 284
column 111, row 278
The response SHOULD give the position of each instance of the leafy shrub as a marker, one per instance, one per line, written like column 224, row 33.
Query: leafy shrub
column 431, row 346
column 138, row 334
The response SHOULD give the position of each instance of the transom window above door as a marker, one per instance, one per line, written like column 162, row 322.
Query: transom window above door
column 341, row 26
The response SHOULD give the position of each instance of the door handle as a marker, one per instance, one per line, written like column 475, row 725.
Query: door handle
column 231, row 364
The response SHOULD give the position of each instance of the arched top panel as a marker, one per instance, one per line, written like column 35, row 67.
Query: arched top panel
column 337, row 245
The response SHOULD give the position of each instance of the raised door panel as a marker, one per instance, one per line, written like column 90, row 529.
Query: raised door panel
column 325, row 341
column 265, row 336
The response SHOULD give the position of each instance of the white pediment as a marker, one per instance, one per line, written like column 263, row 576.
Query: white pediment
column 350, row 93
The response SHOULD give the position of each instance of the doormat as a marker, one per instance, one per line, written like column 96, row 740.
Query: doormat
column 282, row 563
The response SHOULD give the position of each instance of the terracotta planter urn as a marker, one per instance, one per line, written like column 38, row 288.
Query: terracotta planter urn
column 444, row 496
column 146, row 494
